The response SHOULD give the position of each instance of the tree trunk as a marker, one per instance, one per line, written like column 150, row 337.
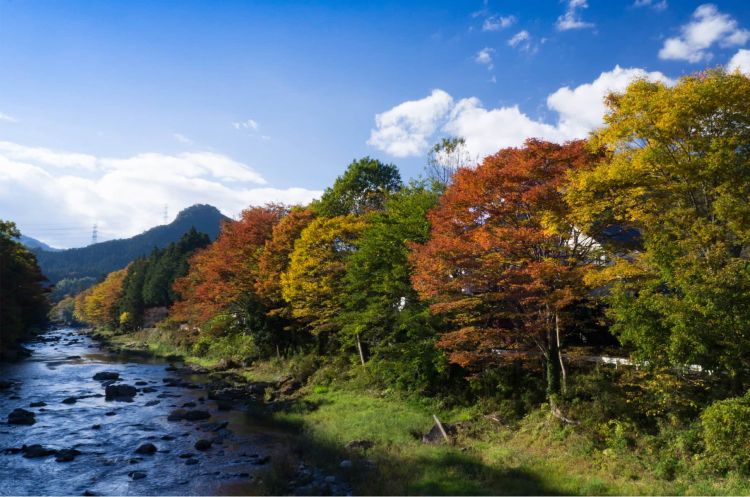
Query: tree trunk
column 563, row 372
column 553, row 366
column 359, row 348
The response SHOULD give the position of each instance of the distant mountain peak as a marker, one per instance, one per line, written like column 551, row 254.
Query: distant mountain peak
column 102, row 258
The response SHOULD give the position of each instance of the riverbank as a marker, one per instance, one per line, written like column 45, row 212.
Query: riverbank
column 373, row 439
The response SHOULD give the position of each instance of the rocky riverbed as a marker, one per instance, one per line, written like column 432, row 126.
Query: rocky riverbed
column 79, row 420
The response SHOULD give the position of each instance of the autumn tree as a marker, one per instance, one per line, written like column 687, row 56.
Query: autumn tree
column 313, row 284
column 99, row 305
column 678, row 171
column 272, row 263
column 221, row 279
column 504, row 263
column 363, row 187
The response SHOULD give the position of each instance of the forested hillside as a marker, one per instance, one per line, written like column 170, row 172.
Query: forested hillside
column 95, row 261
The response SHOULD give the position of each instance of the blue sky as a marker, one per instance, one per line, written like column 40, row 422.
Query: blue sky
column 120, row 107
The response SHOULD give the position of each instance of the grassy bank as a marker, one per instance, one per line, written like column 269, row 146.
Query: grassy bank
column 488, row 455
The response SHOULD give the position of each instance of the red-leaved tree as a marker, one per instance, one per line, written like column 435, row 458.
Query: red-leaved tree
column 504, row 264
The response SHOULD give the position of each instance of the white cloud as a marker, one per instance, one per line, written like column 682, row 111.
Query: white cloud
column 484, row 57
column 581, row 109
column 496, row 23
column 403, row 130
column 182, row 139
column 578, row 110
column 571, row 18
column 707, row 28
column 657, row 5
column 7, row 118
column 522, row 41
column 250, row 124
column 45, row 190
column 740, row 61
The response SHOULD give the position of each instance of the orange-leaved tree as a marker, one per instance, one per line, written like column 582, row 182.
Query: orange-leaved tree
column 221, row 279
column 99, row 305
column 504, row 264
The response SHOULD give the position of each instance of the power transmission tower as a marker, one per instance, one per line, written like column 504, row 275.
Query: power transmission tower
column 166, row 213
column 94, row 234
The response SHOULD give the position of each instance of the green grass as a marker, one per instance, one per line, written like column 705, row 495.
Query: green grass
column 536, row 456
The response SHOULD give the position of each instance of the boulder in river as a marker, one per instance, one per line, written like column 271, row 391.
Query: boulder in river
column 21, row 417
column 177, row 415
column 66, row 455
column 137, row 475
column 203, row 444
column 147, row 448
column 107, row 375
column 41, row 403
column 5, row 384
column 197, row 415
column 120, row 392
column 37, row 450
column 70, row 400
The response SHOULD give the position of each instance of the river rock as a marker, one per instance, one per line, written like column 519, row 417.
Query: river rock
column 197, row 415
column 152, row 403
column 5, row 384
column 147, row 448
column 120, row 392
column 70, row 400
column 177, row 415
column 148, row 390
column 38, row 404
column 21, row 417
column 141, row 383
column 107, row 375
column 186, row 455
column 168, row 438
column 137, row 475
column 67, row 455
column 345, row 464
column 203, row 444
column 37, row 450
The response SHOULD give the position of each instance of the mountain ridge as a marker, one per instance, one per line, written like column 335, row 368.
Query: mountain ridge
column 99, row 259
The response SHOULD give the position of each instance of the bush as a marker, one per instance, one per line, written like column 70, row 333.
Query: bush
column 726, row 433
column 237, row 346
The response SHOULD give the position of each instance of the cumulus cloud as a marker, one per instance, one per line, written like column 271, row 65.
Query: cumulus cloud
column 44, row 190
column 571, row 19
column 579, row 110
column 496, row 23
column 484, row 57
column 740, row 61
column 403, row 130
column 657, row 5
column 708, row 27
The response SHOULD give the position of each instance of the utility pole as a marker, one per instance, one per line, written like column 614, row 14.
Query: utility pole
column 94, row 234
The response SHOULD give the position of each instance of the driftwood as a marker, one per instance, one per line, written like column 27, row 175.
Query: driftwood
column 442, row 430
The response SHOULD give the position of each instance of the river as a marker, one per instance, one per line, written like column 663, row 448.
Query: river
column 108, row 432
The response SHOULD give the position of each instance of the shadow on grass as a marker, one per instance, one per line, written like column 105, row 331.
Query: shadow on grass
column 391, row 469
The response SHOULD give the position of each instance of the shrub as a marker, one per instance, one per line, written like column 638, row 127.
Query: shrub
column 726, row 433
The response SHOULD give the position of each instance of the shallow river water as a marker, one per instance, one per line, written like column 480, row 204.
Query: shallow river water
column 107, row 433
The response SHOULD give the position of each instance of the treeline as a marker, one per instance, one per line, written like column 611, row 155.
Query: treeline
column 23, row 303
column 505, row 281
